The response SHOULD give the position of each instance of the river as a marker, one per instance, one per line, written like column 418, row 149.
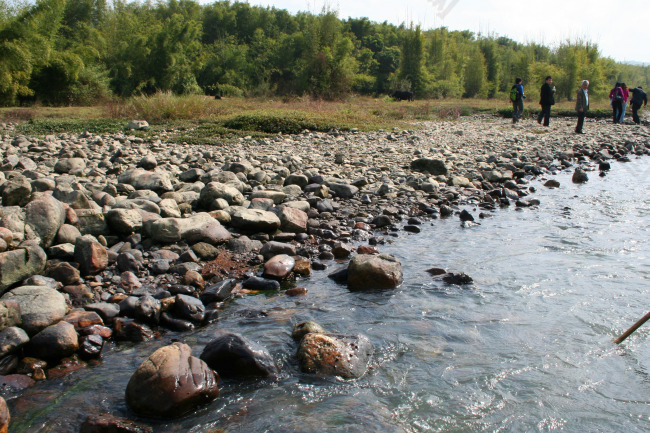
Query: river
column 526, row 348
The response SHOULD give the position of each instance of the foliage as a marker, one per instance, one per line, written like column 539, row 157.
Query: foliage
column 62, row 52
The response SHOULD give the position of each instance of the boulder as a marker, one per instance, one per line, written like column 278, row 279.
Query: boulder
column 158, row 181
column 255, row 220
column 16, row 191
column 9, row 314
column 214, row 191
column 334, row 355
column 381, row 271
column 232, row 355
column 124, row 221
column 176, row 229
column 16, row 265
column 145, row 309
column 170, row 383
column 129, row 330
column 54, row 342
column 39, row 306
column 189, row 308
column 212, row 233
column 579, row 176
column 44, row 216
column 303, row 328
column 90, row 254
column 74, row 166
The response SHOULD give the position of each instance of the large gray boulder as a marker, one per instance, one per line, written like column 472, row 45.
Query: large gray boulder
column 16, row 191
column 19, row 264
column 45, row 215
column 39, row 306
column 157, row 181
column 170, row 383
column 255, row 220
column 292, row 219
column 432, row 166
column 74, row 166
column 176, row 229
column 381, row 271
column 124, row 221
column 214, row 191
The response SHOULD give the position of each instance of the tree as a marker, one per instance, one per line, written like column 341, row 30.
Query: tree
column 412, row 59
column 475, row 75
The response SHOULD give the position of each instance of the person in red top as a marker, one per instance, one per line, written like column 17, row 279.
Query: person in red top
column 616, row 100
column 626, row 96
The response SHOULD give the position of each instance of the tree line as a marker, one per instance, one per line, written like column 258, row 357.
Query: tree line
column 61, row 52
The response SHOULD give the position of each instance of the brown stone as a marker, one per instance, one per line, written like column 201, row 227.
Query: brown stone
column 366, row 249
column 171, row 382
column 83, row 319
column 296, row 291
column 193, row 278
column 279, row 267
column 5, row 418
column 302, row 267
column 106, row 423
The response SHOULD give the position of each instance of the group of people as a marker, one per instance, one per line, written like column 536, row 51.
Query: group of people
column 619, row 97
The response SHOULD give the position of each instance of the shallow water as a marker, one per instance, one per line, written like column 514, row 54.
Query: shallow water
column 528, row 347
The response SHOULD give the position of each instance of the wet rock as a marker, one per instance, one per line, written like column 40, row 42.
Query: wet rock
column 91, row 346
column 82, row 319
column 16, row 265
column 129, row 330
column 90, row 254
column 14, row 383
column 176, row 324
column 279, row 267
column 552, row 184
column 579, row 176
column 436, row 271
column 466, row 216
column 340, row 276
column 189, row 308
column 54, row 342
column 232, row 355
column 39, row 306
column 303, row 328
column 374, row 272
column 255, row 220
column 274, row 248
column 144, row 309
column 106, row 423
column 259, row 283
column 218, row 292
column 170, row 383
column 44, row 216
column 457, row 278
column 105, row 310
column 12, row 339
column 334, row 355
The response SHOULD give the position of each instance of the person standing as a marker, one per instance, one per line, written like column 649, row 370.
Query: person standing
column 616, row 100
column 626, row 96
column 582, row 105
column 639, row 97
column 546, row 99
column 517, row 97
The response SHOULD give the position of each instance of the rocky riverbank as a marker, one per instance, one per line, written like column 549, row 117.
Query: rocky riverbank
column 111, row 237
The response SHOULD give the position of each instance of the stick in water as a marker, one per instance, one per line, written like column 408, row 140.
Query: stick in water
column 634, row 327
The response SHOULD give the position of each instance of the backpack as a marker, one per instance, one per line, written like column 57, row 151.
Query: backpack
column 513, row 93
column 618, row 95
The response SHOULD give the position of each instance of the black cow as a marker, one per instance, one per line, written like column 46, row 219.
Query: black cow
column 402, row 95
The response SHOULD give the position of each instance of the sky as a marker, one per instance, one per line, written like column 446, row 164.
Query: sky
column 619, row 29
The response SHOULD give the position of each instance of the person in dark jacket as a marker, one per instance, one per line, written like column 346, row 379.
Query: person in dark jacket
column 582, row 105
column 639, row 97
column 546, row 99
column 518, row 103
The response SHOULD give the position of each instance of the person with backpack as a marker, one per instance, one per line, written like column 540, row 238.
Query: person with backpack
column 616, row 101
column 582, row 105
column 517, row 97
column 546, row 99
column 639, row 97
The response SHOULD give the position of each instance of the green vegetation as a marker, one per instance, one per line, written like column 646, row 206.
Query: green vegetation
column 81, row 52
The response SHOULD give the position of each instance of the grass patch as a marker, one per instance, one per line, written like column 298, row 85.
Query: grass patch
column 59, row 126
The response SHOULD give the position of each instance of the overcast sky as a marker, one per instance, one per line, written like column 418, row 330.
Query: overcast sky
column 620, row 28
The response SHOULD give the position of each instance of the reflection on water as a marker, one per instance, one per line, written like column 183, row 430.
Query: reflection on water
column 526, row 348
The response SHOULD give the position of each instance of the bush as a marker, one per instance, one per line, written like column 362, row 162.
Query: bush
column 275, row 124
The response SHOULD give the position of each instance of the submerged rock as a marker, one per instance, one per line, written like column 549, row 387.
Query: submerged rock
column 381, row 271
column 232, row 355
column 335, row 355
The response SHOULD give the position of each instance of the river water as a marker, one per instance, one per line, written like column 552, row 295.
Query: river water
column 526, row 348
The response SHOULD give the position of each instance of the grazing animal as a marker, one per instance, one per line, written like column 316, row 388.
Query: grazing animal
column 402, row 95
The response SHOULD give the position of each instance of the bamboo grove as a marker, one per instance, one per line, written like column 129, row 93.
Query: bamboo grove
column 63, row 52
